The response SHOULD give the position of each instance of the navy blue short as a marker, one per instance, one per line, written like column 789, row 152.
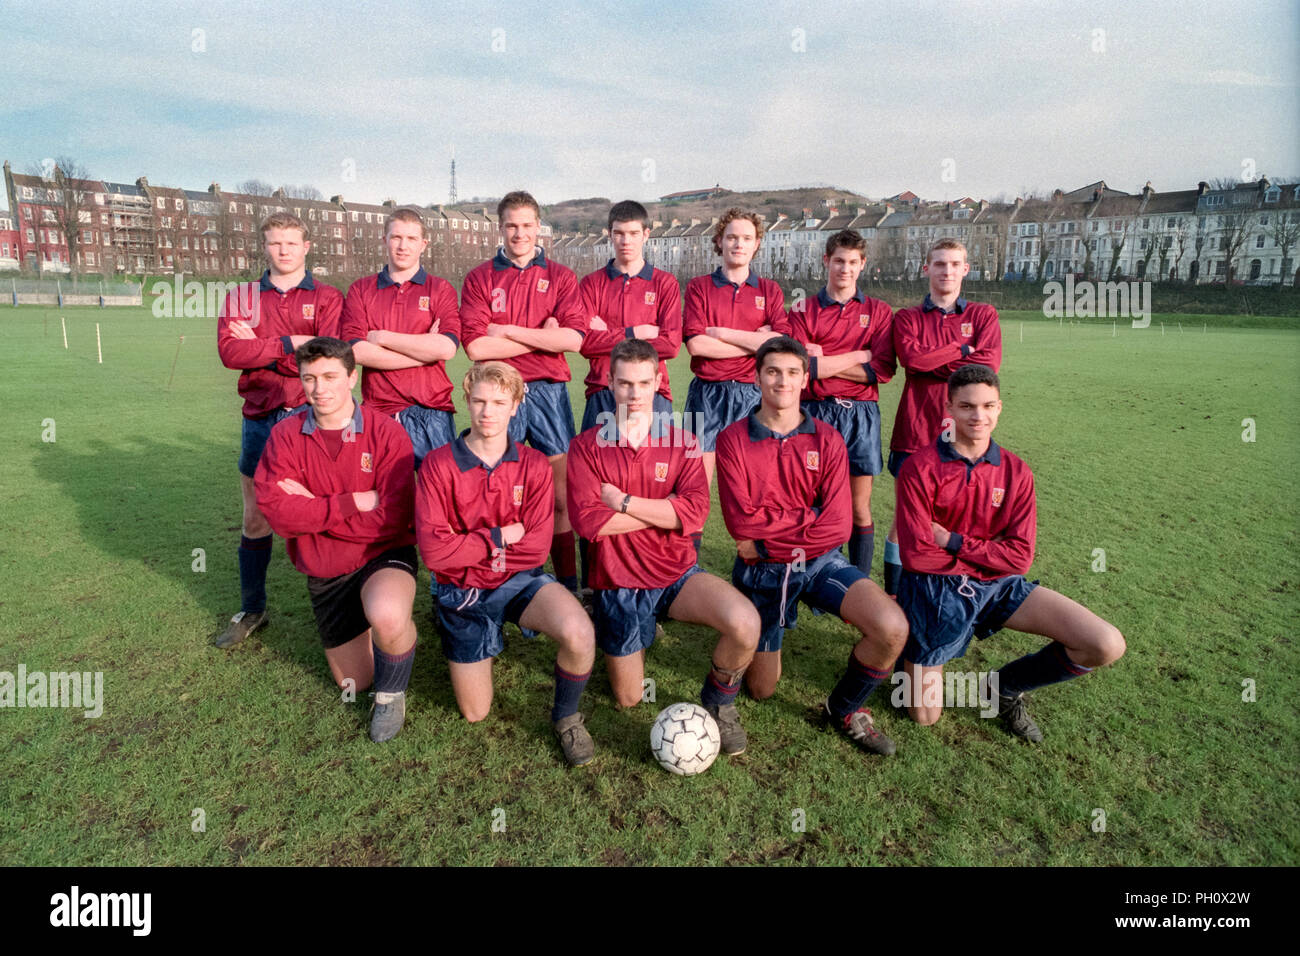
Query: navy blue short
column 545, row 418
column 712, row 406
column 625, row 617
column 777, row 589
column 255, row 433
column 896, row 459
column 944, row 611
column 859, row 425
column 471, row 619
column 602, row 402
column 428, row 428
column 336, row 602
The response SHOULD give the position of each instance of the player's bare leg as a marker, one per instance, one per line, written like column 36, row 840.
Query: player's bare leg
column 884, row 632
column 860, row 486
column 626, row 678
column 708, row 459
column 924, row 692
column 388, row 597
column 556, row 612
column 563, row 554
column 354, row 660
column 862, row 539
column 472, row 685
column 763, row 673
column 1090, row 641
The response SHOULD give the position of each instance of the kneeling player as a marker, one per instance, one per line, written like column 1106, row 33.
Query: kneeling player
column 484, row 513
column 335, row 481
column 639, row 499
column 967, row 521
column 783, row 480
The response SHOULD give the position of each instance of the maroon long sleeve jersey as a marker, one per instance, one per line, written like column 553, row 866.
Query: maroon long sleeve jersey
column 712, row 300
column 860, row 323
column 623, row 300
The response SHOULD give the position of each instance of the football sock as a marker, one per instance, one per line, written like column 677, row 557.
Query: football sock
column 566, row 568
column 254, row 558
column 568, row 691
column 858, row 681
column 1051, row 665
column 716, row 691
column 584, row 560
column 862, row 548
column 893, row 567
column 697, row 539
column 392, row 671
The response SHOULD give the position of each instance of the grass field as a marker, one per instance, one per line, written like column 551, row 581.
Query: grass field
column 1136, row 440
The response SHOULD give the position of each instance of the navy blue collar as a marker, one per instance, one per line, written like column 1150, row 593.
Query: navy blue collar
column 720, row 280
column 266, row 286
column 948, row 452
column 309, row 421
column 500, row 261
column 385, row 280
column 466, row 459
column 758, row 432
column 825, row 301
column 958, row 307
column 647, row 271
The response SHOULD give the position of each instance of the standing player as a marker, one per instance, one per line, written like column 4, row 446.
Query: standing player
column 484, row 514
column 932, row 341
column 783, row 484
column 337, row 482
column 729, row 314
column 403, row 325
column 523, row 309
column 638, row 500
column 258, row 328
column 967, row 522
column 850, row 343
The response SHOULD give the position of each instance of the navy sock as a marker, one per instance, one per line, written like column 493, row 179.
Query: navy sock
column 893, row 567
column 254, row 558
column 568, row 691
column 1051, row 665
column 392, row 671
column 862, row 548
column 858, row 682
column 697, row 539
column 584, row 560
column 715, row 693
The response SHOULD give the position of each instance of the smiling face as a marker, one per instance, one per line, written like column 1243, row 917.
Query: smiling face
column 781, row 380
column 946, row 269
column 328, row 385
column 406, row 243
column 739, row 243
column 843, row 267
column 974, row 410
column 286, row 250
column 490, row 409
column 519, row 229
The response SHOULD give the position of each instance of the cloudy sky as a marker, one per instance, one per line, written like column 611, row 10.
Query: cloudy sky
column 947, row 99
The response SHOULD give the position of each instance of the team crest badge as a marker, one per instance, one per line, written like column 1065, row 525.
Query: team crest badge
column 864, row 319
column 518, row 494
column 308, row 311
column 968, row 329
column 661, row 471
column 367, row 463
column 543, row 285
column 649, row 298
column 812, row 460
column 760, row 302
column 424, row 303
column 998, row 494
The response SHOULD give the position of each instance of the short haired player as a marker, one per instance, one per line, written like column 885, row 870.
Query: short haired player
column 484, row 514
column 967, row 523
column 932, row 341
column 850, row 341
column 337, row 482
column 783, row 483
column 403, row 325
column 522, row 308
column 639, row 499
column 259, row 326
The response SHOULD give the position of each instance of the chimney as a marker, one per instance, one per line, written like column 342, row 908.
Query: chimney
column 861, row 211
column 696, row 222
column 1202, row 188
column 142, row 183
column 278, row 193
column 336, row 200
column 807, row 213
column 834, row 210
column 214, row 188
column 676, row 223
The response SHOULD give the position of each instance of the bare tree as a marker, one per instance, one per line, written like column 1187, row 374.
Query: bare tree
column 301, row 192
column 1181, row 240
column 1285, row 230
column 1235, row 227
column 1119, row 239
column 255, row 187
column 72, row 202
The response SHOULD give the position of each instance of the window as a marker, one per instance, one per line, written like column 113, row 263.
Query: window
column 179, row 204
column 355, row 217
column 166, row 222
column 234, row 207
column 1094, row 227
column 248, row 208
column 1259, row 242
column 338, row 233
column 1146, row 223
column 1171, row 223
column 162, row 202
column 1263, row 220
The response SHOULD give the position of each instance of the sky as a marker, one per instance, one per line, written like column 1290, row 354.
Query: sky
column 636, row 100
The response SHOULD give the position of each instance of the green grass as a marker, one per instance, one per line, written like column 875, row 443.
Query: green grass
column 1136, row 443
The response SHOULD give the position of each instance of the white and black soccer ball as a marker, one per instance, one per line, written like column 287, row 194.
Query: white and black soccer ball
column 684, row 739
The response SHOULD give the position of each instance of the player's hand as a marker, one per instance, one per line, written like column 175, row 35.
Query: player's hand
column 611, row 496
column 497, row 330
column 241, row 330
column 866, row 357
column 376, row 337
column 747, row 550
column 714, row 331
column 366, row 500
column 597, row 324
column 551, row 322
column 812, row 348
column 291, row 487
column 941, row 534
column 297, row 341
column 765, row 328
column 512, row 533
column 645, row 331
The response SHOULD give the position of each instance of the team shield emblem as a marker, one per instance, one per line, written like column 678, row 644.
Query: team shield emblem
column 968, row 329
column 518, row 494
column 998, row 495
column 812, row 460
column 367, row 463
column 864, row 319
column 543, row 285
column 649, row 298
column 308, row 310
column 760, row 302
column 424, row 303
column 661, row 471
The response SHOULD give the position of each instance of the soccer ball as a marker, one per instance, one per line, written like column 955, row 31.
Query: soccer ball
column 684, row 739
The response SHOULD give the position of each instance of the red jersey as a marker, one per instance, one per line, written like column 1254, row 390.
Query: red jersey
column 859, row 323
column 988, row 505
column 326, row 535
column 270, row 372
column 667, row 463
column 500, row 291
column 931, row 345
column 461, row 505
column 789, row 494
column 651, row 297
column 713, row 300
column 377, row 302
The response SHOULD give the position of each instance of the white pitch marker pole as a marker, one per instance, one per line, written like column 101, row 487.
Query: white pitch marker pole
column 1113, row 328
column 99, row 345
column 1022, row 331
column 64, row 323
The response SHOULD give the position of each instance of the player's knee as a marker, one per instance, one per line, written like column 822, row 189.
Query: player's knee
column 741, row 622
column 577, row 635
column 760, row 688
column 388, row 623
column 627, row 697
column 476, row 714
column 925, row 716
column 1111, row 646
column 255, row 525
column 861, row 516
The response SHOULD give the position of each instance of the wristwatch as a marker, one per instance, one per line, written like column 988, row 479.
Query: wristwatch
column 623, row 507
